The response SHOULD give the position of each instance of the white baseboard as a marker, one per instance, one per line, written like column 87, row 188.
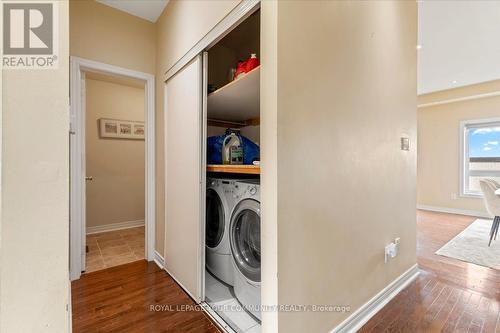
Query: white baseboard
column 355, row 321
column 158, row 259
column 114, row 226
column 454, row 211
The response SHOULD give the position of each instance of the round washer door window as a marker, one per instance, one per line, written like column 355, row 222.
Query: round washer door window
column 245, row 238
column 214, row 229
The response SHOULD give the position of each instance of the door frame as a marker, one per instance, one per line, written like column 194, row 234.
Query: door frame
column 78, row 68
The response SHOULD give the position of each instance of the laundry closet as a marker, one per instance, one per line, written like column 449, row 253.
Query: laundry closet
column 213, row 241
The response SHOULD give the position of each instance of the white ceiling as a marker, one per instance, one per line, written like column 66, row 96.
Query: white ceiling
column 147, row 9
column 460, row 43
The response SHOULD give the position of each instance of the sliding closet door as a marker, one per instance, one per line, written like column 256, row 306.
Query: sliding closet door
column 183, row 177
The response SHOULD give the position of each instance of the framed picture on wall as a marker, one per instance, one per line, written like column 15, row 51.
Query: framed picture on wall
column 139, row 129
column 121, row 129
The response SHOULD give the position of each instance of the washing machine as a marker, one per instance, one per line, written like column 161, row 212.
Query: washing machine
column 220, row 202
column 245, row 245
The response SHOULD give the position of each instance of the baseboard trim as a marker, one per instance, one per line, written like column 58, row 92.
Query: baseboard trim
column 114, row 226
column 355, row 321
column 474, row 213
column 158, row 259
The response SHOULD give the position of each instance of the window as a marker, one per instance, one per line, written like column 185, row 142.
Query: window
column 480, row 158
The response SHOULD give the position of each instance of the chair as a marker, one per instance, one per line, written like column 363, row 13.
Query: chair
column 494, row 182
column 492, row 202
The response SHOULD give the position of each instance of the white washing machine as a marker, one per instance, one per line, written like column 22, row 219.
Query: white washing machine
column 245, row 245
column 220, row 202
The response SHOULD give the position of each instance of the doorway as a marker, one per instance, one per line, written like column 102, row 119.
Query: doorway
column 112, row 166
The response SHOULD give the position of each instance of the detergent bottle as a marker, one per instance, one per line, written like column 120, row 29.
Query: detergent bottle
column 232, row 152
column 252, row 63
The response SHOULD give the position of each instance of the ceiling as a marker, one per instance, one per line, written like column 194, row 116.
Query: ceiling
column 147, row 9
column 460, row 44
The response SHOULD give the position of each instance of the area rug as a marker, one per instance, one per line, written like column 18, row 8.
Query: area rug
column 471, row 245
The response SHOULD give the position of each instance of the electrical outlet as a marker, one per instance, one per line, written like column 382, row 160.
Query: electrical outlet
column 392, row 250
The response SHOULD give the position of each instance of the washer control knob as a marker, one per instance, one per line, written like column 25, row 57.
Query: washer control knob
column 253, row 190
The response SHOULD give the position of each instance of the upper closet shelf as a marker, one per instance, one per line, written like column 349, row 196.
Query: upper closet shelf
column 238, row 100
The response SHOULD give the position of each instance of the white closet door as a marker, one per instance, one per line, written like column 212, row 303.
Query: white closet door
column 183, row 177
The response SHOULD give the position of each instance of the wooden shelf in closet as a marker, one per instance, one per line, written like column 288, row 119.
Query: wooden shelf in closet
column 237, row 101
column 228, row 168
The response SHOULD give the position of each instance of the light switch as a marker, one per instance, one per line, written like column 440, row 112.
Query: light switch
column 405, row 143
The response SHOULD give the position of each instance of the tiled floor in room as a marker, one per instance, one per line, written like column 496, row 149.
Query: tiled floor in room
column 113, row 248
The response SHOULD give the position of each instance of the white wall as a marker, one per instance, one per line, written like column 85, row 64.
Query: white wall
column 34, row 274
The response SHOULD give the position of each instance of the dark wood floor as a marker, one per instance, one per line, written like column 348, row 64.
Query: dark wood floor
column 448, row 296
column 119, row 299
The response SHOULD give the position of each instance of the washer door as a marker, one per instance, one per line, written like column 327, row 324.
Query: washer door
column 214, row 229
column 245, row 238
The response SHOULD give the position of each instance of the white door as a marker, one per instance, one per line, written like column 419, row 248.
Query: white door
column 184, row 200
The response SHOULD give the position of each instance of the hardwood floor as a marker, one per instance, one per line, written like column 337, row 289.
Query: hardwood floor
column 449, row 295
column 120, row 299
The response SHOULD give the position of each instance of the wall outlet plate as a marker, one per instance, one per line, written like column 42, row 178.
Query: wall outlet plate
column 405, row 143
column 391, row 250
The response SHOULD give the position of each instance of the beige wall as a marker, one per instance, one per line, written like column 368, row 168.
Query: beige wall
column 104, row 34
column 34, row 277
column 116, row 193
column 346, row 94
column 181, row 25
column 439, row 144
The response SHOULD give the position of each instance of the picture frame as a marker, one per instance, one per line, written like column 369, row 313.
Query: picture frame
column 121, row 129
